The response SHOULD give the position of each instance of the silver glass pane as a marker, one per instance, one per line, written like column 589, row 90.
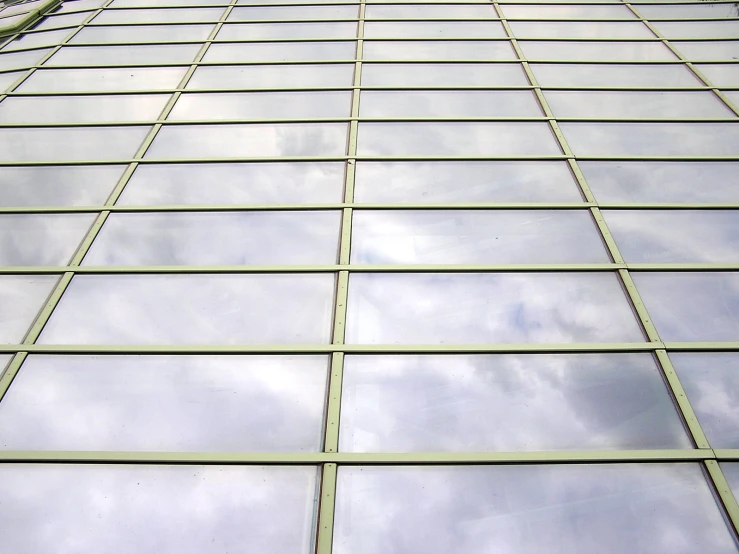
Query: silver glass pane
column 21, row 60
column 166, row 403
column 231, row 141
column 475, row 237
column 281, row 52
column 143, row 33
column 505, row 403
column 272, row 76
column 594, row 75
column 438, row 50
column 572, row 29
column 675, row 236
column 696, row 29
column 82, row 109
column 732, row 96
column 220, row 238
column 419, row 182
column 68, row 20
column 124, row 55
column 637, row 104
column 7, row 79
column 22, row 297
column 253, row 31
column 70, row 144
column 485, row 308
column 663, row 182
column 731, row 472
column 652, row 139
column 41, row 239
column 719, row 10
column 722, row 75
column 35, row 40
column 84, row 509
column 595, row 51
column 287, row 13
column 170, row 3
column 75, row 5
column 58, row 186
column 446, row 104
column 191, row 15
column 193, row 309
column 527, row 509
column 261, row 105
column 430, row 12
column 719, row 50
column 691, row 306
column 466, row 139
column 711, row 381
column 572, row 11
column 83, row 80
column 426, row 75
column 235, row 183
column 430, row 29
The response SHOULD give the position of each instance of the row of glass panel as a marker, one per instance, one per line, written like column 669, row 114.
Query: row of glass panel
column 523, row 509
column 383, row 308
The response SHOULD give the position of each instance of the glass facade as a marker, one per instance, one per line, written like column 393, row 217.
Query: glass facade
column 333, row 277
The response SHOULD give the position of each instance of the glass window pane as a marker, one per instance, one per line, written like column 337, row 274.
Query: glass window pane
column 722, row 75
column 252, row 31
column 143, row 33
column 22, row 297
column 250, row 140
column 652, row 139
column 219, row 238
column 572, row 11
column 695, row 29
column 115, row 17
column 454, row 75
column 691, row 306
column 238, row 183
column 166, row 403
column 438, row 50
column 57, row 21
column 272, row 76
column 84, row 80
column 731, row 472
column 442, row 139
column 718, row 50
column 35, row 40
column 41, row 239
column 447, row 104
column 733, row 96
column 281, row 52
column 711, row 381
column 430, row 12
column 485, row 308
column 70, row 144
column 690, row 11
column 596, row 51
column 637, row 104
column 505, row 403
column 429, row 29
column 608, row 508
column 21, row 60
column 124, row 55
column 7, row 79
column 589, row 29
column 76, row 5
column 82, row 109
column 261, row 105
column 474, row 237
column 287, row 13
column 665, row 182
column 675, row 236
column 635, row 75
column 171, row 3
column 205, row 509
column 413, row 182
column 194, row 309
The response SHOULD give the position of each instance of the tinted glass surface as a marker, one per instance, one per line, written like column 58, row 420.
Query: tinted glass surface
column 21, row 296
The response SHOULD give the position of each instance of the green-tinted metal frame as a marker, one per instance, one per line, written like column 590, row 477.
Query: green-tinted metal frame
column 30, row 18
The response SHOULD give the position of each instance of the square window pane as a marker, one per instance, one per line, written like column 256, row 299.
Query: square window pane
column 204, row 509
column 217, row 238
column 250, row 140
column 438, row 50
column 166, row 403
column 717, row 50
column 526, row 509
column 237, row 183
column 84, row 80
column 721, row 10
column 675, row 236
column 58, row 185
column 486, row 308
column 414, row 182
column 287, row 13
column 190, row 15
column 722, row 75
column 663, row 182
column 194, row 309
column 474, row 237
column 571, row 29
column 272, row 76
column 429, row 29
column 143, row 33
column 594, row 75
column 465, row 139
column 70, row 144
column 446, row 104
column 505, row 403
column 691, row 306
column 281, row 52
column 124, row 55
column 261, row 105
column 572, row 11
column 711, row 381
column 595, row 51
column 82, row 109
column 35, row 40
column 697, row 29
column 637, row 104
column 431, row 12
column 447, row 74
column 22, row 297
column 21, row 60
column 253, row 31
column 41, row 239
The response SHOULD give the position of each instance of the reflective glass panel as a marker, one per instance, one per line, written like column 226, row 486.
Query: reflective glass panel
column 483, row 182
column 637, row 104
column 717, row 50
column 166, row 403
column 430, row 29
column 252, row 31
column 722, row 75
column 594, row 75
column 41, row 239
column 440, row 139
column 83, row 509
column 474, row 237
column 438, row 50
column 572, row 11
column 189, row 15
column 227, row 141
column 527, row 509
column 21, row 60
column 590, row 29
column 696, row 29
column 172, row 3
column 34, row 40
column 430, row 12
column 82, row 109
column 193, row 309
column 83, row 80
column 217, row 238
column 236, row 183
column 484, row 308
column 75, row 5
column 718, row 10
column 731, row 472
column 57, row 21
column 124, row 55
column 7, row 79
column 272, row 76
column 281, row 52
column 144, row 33
column 287, row 13
column 691, row 306
column 22, row 296
column 586, row 51
column 460, row 75
column 505, row 403
column 446, row 104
